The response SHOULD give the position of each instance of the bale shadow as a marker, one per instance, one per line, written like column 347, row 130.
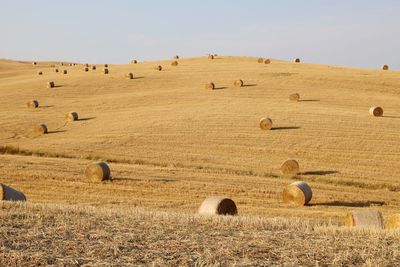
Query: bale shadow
column 220, row 88
column 87, row 119
column 309, row 100
column 57, row 86
column 354, row 204
column 137, row 78
column 318, row 172
column 56, row 131
column 50, row 106
column 392, row 117
column 249, row 85
column 285, row 128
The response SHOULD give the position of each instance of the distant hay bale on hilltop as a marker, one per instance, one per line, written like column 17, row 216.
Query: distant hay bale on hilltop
column 97, row 172
column 86, row 69
column 210, row 56
column 298, row 193
column 52, row 66
column 32, row 104
column 176, row 57
column 10, row 194
column 87, row 65
column 71, row 116
column 296, row 60
column 159, row 68
column 267, row 61
column 34, row 63
column 93, row 67
column 290, row 167
column 294, row 97
column 218, row 206
column 266, row 124
column 51, row 84
column 238, row 83
column 40, row 73
column 105, row 65
column 40, row 129
column 174, row 63
column 105, row 71
column 134, row 61
column 260, row 60
column 365, row 219
column 385, row 67
column 129, row 75
column 376, row 111
column 210, row 86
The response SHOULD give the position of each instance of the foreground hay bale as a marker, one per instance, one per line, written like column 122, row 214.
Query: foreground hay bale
column 267, row 61
column 365, row 219
column 376, row 111
column 134, row 61
column 296, row 60
column 105, row 71
column 174, row 63
column 260, row 60
column 392, row 221
column 210, row 86
column 40, row 73
column 297, row 193
column 129, row 75
column 238, row 83
column 93, row 67
column 32, row 104
column 97, row 172
column 40, row 129
column 71, row 116
column 294, row 97
column 51, row 84
column 385, row 67
column 10, row 194
column 290, row 167
column 218, row 206
column 210, row 56
column 65, row 72
column 266, row 124
column 159, row 68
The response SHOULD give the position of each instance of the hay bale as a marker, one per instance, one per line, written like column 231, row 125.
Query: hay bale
column 266, row 124
column 50, row 84
column 129, row 75
column 296, row 60
column 176, row 57
column 376, row 111
column 260, row 60
column 290, row 167
column 210, row 86
column 40, row 73
column 93, row 67
column 71, row 116
column 55, row 70
column 385, row 67
column 392, row 221
column 267, row 61
column 294, row 97
column 86, row 69
column 52, row 66
column 105, row 65
column 174, row 63
column 298, row 193
column 32, row 104
column 40, row 129
column 238, row 83
column 34, row 63
column 159, row 68
column 218, row 206
column 97, row 172
column 65, row 72
column 134, row 61
column 105, row 71
column 10, row 194
column 365, row 219
column 87, row 65
column 210, row 56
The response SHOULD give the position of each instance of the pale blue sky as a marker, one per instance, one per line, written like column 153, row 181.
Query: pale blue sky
column 359, row 33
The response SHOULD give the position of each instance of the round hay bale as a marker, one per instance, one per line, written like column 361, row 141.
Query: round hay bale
column 93, row 67
column 86, row 69
column 34, row 63
column 97, row 172
column 210, row 56
column 365, row 219
column 266, row 124
column 129, row 75
column 40, row 73
column 238, row 83
column 10, row 194
column 294, row 97
column 62, row 64
column 176, row 57
column 71, row 116
column 296, row 60
column 218, row 206
column 50, row 84
column 87, row 65
column 298, row 193
column 52, row 66
column 105, row 71
column 290, row 167
column 65, row 72
column 174, row 63
column 55, row 70
column 70, row 64
column 260, row 60
column 105, row 65
column 385, row 67
column 210, row 86
column 159, row 68
column 134, row 61
column 40, row 129
column 376, row 111
column 32, row 104
column 267, row 61
column 392, row 221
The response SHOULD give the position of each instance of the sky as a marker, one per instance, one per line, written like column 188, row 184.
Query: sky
column 354, row 33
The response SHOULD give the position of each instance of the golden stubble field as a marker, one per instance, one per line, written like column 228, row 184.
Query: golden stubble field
column 171, row 143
